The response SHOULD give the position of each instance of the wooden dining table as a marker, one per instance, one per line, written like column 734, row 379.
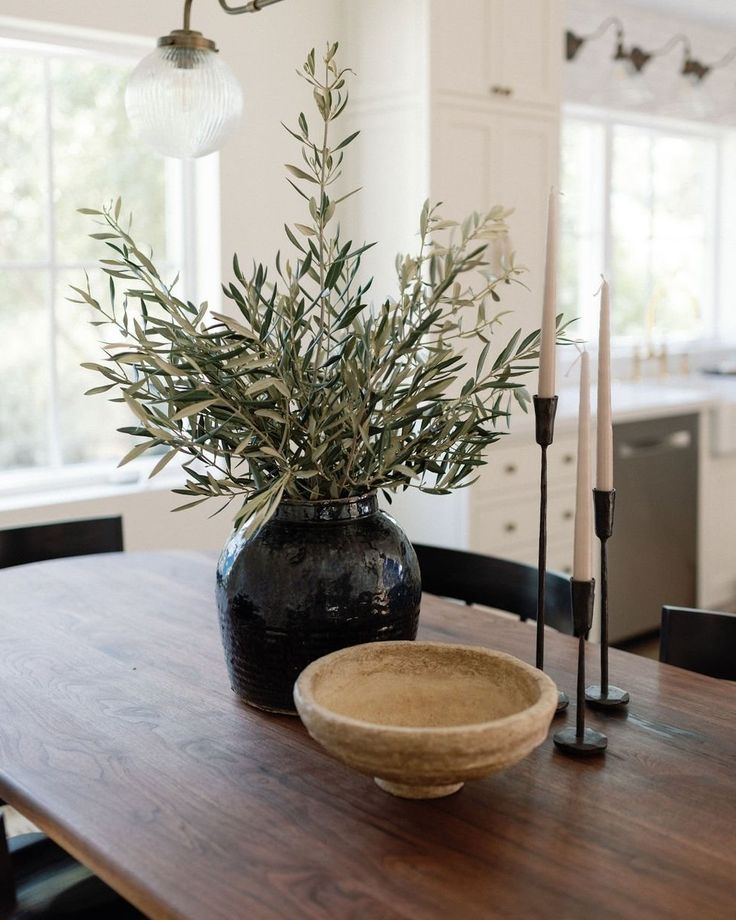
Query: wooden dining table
column 121, row 739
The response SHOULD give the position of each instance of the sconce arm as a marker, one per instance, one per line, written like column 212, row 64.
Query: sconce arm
column 253, row 7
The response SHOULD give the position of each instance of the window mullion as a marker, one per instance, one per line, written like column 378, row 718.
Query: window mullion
column 607, row 192
column 651, row 315
column 189, row 255
column 55, row 458
column 717, row 324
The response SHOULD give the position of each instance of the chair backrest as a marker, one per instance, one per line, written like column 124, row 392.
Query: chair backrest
column 55, row 541
column 699, row 640
column 493, row 582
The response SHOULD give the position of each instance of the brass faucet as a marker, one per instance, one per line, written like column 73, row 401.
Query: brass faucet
column 643, row 355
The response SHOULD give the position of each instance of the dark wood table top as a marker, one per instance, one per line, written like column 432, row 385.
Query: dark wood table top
column 120, row 737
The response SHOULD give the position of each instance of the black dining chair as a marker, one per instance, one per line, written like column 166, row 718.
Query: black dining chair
column 493, row 582
column 38, row 879
column 40, row 542
column 699, row 640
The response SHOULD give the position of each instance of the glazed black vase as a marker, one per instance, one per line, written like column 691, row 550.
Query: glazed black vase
column 319, row 576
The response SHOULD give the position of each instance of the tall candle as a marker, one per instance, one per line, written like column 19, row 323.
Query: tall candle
column 549, row 306
column 604, row 465
column 582, row 566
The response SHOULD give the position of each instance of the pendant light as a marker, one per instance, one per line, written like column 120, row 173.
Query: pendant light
column 182, row 99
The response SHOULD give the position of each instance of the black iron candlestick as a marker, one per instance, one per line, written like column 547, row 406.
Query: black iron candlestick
column 604, row 695
column 581, row 741
column 545, row 409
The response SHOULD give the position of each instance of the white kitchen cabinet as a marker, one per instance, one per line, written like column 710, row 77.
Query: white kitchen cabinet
column 504, row 503
column 433, row 128
column 717, row 546
column 508, row 51
column 481, row 157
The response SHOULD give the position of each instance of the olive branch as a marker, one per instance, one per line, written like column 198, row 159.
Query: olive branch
column 305, row 390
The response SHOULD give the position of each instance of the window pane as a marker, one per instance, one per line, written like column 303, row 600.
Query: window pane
column 87, row 423
column 581, row 250
column 662, row 200
column 24, row 406
column 23, row 227
column 97, row 158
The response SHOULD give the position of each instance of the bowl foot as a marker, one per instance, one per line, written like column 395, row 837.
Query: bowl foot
column 408, row 791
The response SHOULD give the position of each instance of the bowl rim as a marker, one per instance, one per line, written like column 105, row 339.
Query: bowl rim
column 304, row 697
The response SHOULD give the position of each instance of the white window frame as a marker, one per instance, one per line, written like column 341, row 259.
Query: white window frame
column 720, row 330
column 194, row 228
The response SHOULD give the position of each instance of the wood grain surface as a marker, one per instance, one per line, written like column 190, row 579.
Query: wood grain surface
column 120, row 737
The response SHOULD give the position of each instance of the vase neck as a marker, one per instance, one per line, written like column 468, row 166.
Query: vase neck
column 337, row 509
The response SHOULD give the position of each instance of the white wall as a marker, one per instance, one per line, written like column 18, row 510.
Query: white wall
column 264, row 49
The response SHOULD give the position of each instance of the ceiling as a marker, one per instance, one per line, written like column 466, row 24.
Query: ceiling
column 720, row 12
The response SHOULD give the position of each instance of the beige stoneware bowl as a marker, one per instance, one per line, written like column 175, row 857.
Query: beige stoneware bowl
column 423, row 717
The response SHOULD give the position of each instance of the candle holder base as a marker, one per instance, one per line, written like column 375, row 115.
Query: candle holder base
column 614, row 699
column 590, row 742
column 563, row 701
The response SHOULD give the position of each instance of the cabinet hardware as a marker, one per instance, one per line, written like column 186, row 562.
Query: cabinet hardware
column 567, row 459
column 501, row 90
column 510, row 527
column 510, row 468
column 567, row 515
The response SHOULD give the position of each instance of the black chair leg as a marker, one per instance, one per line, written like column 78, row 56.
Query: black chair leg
column 7, row 878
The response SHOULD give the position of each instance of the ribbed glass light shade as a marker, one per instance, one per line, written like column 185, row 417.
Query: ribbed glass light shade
column 183, row 102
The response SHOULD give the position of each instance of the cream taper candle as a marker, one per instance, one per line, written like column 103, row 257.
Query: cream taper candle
column 546, row 386
column 604, row 460
column 582, row 566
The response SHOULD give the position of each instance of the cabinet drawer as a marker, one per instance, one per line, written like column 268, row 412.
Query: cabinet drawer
column 559, row 555
column 562, row 461
column 497, row 526
column 518, row 469
column 508, row 470
column 561, row 517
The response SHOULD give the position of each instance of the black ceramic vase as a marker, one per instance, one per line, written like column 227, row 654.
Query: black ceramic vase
column 317, row 577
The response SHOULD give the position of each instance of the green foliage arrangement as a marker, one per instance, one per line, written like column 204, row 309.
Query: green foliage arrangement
column 304, row 390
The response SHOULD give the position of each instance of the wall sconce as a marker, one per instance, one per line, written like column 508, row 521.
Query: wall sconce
column 573, row 42
column 697, row 72
column 182, row 99
column 634, row 60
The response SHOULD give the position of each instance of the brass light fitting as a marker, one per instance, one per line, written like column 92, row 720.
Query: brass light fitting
column 186, row 37
column 573, row 42
column 638, row 59
column 182, row 99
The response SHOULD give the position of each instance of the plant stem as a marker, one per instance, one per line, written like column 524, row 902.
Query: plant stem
column 321, row 227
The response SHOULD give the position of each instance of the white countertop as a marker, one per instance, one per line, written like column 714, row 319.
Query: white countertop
column 650, row 398
column 654, row 398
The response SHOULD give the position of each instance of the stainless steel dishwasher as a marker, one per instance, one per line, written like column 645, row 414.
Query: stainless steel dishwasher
column 653, row 551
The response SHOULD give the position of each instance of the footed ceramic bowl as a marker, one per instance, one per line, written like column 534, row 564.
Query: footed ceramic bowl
column 423, row 717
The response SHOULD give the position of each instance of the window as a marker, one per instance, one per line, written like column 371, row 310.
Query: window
column 642, row 198
column 65, row 143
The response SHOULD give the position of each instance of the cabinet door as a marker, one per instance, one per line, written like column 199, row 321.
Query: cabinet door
column 482, row 158
column 466, row 153
column 465, row 156
column 460, row 54
column 526, row 172
column 506, row 51
column 526, row 50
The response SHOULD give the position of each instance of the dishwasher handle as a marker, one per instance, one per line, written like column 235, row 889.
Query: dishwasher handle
column 652, row 447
